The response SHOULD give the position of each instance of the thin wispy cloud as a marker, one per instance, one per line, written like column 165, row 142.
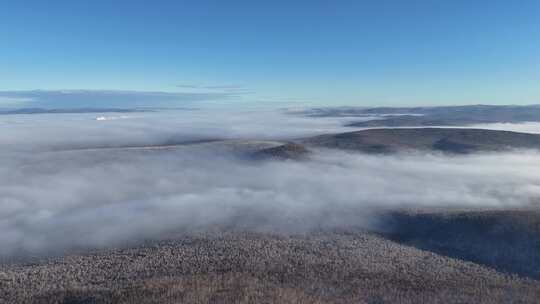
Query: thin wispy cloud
column 224, row 88
column 212, row 87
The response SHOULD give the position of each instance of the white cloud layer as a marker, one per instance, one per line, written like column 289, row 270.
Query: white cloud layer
column 85, row 130
column 52, row 201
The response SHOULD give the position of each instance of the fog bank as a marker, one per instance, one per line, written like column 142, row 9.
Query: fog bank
column 56, row 200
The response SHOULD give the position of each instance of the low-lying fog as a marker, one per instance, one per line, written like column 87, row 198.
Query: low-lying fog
column 165, row 126
column 56, row 200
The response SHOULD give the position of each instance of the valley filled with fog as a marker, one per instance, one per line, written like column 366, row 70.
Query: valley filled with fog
column 74, row 181
column 268, row 204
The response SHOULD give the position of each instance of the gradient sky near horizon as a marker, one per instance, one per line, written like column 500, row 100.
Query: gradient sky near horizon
column 364, row 53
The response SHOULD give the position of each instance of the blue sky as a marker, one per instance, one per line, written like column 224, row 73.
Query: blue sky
column 364, row 53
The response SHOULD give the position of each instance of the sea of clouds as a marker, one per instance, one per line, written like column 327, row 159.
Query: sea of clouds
column 60, row 189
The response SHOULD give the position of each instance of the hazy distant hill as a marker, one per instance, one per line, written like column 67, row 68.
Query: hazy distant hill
column 454, row 116
column 386, row 140
column 426, row 139
column 432, row 116
column 285, row 151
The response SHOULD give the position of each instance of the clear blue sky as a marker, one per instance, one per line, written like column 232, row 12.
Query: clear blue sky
column 329, row 52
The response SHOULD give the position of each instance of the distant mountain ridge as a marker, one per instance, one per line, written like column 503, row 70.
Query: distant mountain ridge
column 373, row 141
column 448, row 140
column 432, row 116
